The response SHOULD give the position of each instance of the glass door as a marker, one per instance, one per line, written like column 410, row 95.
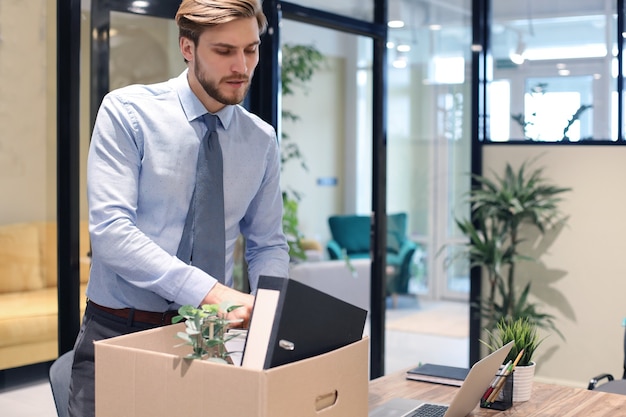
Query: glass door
column 429, row 137
column 331, row 129
column 143, row 50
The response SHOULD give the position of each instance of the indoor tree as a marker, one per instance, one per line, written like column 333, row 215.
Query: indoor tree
column 501, row 208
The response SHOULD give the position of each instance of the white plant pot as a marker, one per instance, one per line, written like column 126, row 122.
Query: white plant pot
column 523, row 382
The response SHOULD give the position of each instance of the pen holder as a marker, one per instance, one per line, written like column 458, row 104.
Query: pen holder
column 502, row 398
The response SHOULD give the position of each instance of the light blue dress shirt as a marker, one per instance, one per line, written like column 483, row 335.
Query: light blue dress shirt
column 140, row 178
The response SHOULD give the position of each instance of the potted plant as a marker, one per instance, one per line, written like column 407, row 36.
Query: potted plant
column 501, row 210
column 524, row 334
column 206, row 330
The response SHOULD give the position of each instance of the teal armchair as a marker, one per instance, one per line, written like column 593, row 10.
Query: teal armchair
column 352, row 234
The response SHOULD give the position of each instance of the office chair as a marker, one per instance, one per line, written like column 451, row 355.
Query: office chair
column 614, row 386
column 60, row 373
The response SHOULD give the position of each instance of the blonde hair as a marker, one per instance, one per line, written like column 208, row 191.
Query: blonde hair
column 194, row 16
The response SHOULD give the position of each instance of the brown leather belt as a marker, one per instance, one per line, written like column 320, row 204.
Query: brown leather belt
column 149, row 317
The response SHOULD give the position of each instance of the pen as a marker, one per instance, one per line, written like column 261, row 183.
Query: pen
column 493, row 385
column 507, row 372
column 498, row 387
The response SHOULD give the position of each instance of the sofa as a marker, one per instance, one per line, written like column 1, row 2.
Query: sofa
column 351, row 235
column 28, row 291
column 350, row 283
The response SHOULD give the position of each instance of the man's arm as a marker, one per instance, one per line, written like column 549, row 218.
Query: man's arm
column 138, row 243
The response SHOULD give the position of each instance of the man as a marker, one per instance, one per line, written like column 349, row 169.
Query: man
column 141, row 179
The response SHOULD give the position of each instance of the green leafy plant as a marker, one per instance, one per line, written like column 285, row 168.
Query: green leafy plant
column 524, row 334
column 206, row 330
column 291, row 227
column 500, row 209
column 299, row 63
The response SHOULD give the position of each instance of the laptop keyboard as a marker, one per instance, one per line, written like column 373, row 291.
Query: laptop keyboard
column 429, row 410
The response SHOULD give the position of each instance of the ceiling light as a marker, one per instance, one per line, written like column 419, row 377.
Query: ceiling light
column 395, row 15
column 401, row 60
column 399, row 63
column 516, row 58
column 518, row 55
column 404, row 48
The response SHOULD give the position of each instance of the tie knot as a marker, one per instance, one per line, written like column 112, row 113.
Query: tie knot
column 211, row 122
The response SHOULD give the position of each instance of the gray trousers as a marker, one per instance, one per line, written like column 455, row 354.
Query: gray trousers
column 97, row 325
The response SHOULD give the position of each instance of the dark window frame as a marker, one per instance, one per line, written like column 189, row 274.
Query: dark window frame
column 484, row 15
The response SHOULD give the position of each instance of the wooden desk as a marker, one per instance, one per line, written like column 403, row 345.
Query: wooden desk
column 547, row 400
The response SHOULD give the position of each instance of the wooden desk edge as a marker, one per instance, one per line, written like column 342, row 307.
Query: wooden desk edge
column 546, row 399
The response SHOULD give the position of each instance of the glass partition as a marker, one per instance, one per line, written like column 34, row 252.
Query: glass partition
column 331, row 129
column 357, row 9
column 428, row 136
column 554, row 77
column 143, row 49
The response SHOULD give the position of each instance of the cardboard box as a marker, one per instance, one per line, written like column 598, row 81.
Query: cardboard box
column 144, row 375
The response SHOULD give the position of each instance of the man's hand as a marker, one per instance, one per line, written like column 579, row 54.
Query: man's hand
column 221, row 293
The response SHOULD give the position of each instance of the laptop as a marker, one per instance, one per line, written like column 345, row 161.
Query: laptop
column 465, row 400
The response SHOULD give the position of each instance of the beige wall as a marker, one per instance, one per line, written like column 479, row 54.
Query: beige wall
column 26, row 71
column 581, row 277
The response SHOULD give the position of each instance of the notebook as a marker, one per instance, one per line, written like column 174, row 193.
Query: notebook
column 465, row 400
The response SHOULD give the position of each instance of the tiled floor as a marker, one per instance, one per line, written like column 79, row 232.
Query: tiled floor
column 406, row 349
column 26, row 393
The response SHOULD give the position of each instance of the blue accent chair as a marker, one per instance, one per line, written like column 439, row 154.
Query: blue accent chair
column 352, row 234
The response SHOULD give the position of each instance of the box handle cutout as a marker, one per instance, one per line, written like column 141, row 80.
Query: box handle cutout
column 326, row 400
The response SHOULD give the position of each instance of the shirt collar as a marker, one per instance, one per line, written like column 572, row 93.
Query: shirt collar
column 193, row 107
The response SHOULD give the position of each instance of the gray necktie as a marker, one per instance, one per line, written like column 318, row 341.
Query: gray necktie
column 203, row 242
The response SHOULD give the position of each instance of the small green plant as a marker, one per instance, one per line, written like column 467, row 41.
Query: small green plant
column 206, row 330
column 524, row 334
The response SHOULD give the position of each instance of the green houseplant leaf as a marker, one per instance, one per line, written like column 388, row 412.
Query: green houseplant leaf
column 206, row 330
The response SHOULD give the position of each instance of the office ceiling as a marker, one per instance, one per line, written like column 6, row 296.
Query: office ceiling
column 565, row 23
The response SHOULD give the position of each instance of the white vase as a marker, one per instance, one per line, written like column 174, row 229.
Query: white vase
column 523, row 382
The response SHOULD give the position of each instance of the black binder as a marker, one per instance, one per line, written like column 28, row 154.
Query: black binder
column 292, row 321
